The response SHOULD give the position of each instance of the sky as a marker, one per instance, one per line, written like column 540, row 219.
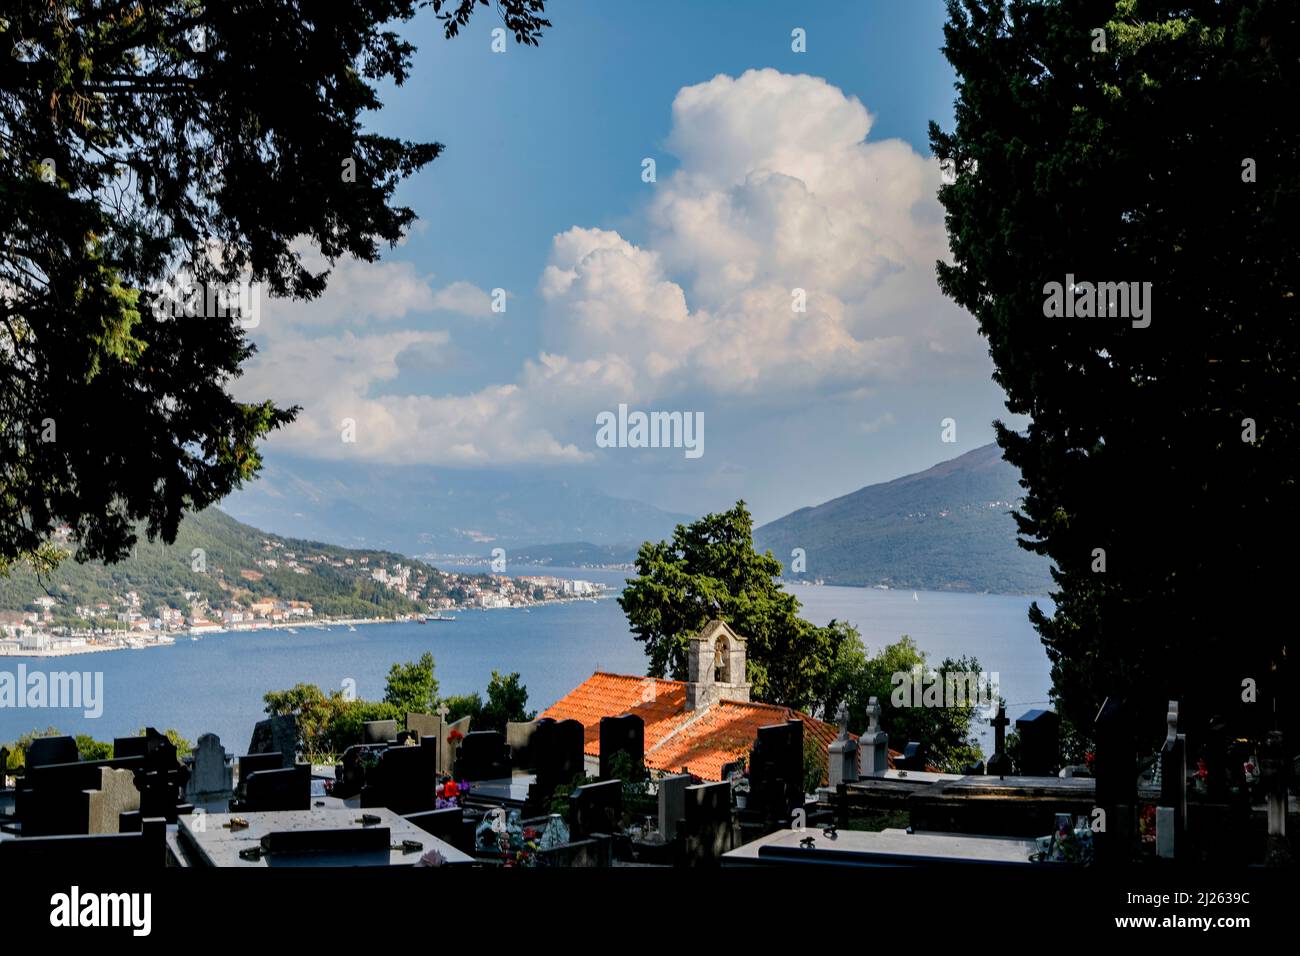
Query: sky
column 781, row 179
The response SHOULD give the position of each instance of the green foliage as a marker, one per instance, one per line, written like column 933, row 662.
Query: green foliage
column 88, row 748
column 507, row 701
column 465, row 705
column 221, row 158
column 560, row 797
column 18, row 748
column 411, row 687
column 711, row 570
column 1131, row 165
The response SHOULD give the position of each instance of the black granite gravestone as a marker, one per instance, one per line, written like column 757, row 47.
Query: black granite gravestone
column 448, row 825
column 48, row 750
column 596, row 808
column 1115, row 766
column 379, row 731
column 276, row 735
column 706, row 830
column 275, row 790
column 402, row 780
column 912, row 757
column 623, row 734
column 130, row 746
column 483, row 755
column 776, row 784
column 557, row 750
column 161, row 778
column 1040, row 743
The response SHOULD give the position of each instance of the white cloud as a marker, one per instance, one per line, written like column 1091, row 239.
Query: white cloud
column 778, row 189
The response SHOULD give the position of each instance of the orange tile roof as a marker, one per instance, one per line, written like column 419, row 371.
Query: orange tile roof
column 701, row 742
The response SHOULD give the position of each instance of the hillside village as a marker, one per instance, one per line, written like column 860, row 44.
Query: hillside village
column 239, row 585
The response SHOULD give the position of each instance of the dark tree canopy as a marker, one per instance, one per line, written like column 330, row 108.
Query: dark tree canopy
column 144, row 142
column 1168, row 156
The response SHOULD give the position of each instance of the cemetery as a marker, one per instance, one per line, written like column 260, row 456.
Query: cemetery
column 651, row 782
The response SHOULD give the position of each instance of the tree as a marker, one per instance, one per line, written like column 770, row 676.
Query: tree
column 1140, row 140
column 411, row 687
column 507, row 700
column 154, row 158
column 711, row 570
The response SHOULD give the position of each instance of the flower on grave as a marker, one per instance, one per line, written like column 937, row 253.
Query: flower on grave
column 450, row 789
column 454, row 736
column 1202, row 771
column 1089, row 757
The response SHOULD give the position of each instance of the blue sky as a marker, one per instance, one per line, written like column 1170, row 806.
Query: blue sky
column 776, row 170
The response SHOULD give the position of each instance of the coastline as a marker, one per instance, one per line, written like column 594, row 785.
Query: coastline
column 169, row 638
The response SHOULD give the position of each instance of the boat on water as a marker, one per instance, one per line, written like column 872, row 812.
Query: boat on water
column 352, row 627
column 293, row 630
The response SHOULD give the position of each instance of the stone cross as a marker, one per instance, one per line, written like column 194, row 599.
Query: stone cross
column 1171, row 815
column 842, row 715
column 1000, row 763
column 842, row 753
column 442, row 711
column 873, row 716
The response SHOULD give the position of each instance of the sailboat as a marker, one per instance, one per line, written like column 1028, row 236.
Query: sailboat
column 915, row 596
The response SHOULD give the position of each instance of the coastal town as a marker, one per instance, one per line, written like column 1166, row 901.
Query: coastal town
column 48, row 626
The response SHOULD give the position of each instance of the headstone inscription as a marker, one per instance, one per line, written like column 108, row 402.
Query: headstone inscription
column 623, row 734
column 596, row 808
column 873, row 745
column 483, row 755
column 843, row 753
column 1000, row 764
column 1040, row 743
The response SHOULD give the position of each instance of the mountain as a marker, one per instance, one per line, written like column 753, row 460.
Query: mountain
column 577, row 554
column 420, row 510
column 239, row 565
column 947, row 528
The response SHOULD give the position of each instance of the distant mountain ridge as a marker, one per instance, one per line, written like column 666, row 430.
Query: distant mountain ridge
column 947, row 528
column 421, row 510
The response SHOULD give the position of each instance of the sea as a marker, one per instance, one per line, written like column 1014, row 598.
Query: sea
column 216, row 684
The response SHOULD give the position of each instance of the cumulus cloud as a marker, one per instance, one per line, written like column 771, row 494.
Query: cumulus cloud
column 787, row 255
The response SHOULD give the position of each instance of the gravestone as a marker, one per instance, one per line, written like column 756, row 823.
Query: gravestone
column 776, row 772
column 1040, row 743
column 706, row 826
column 427, row 727
column 913, row 757
column 843, row 754
column 622, row 734
column 873, row 745
column 519, row 737
column 4, row 766
column 212, row 776
column 379, row 731
column 448, row 825
column 1275, row 768
column 136, row 746
column 483, row 755
column 276, row 790
column 50, row 750
column 1115, row 766
column 1000, row 764
column 672, row 803
column 596, row 808
column 276, row 735
column 117, row 794
column 161, row 778
column 350, row 772
column 1172, row 811
column 403, row 781
column 557, row 753
column 446, row 748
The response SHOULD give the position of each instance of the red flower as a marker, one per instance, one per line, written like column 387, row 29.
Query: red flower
column 454, row 736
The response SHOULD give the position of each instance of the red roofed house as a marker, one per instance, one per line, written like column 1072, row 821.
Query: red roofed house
column 697, row 725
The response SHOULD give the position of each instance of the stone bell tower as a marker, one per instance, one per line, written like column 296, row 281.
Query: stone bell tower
column 715, row 667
